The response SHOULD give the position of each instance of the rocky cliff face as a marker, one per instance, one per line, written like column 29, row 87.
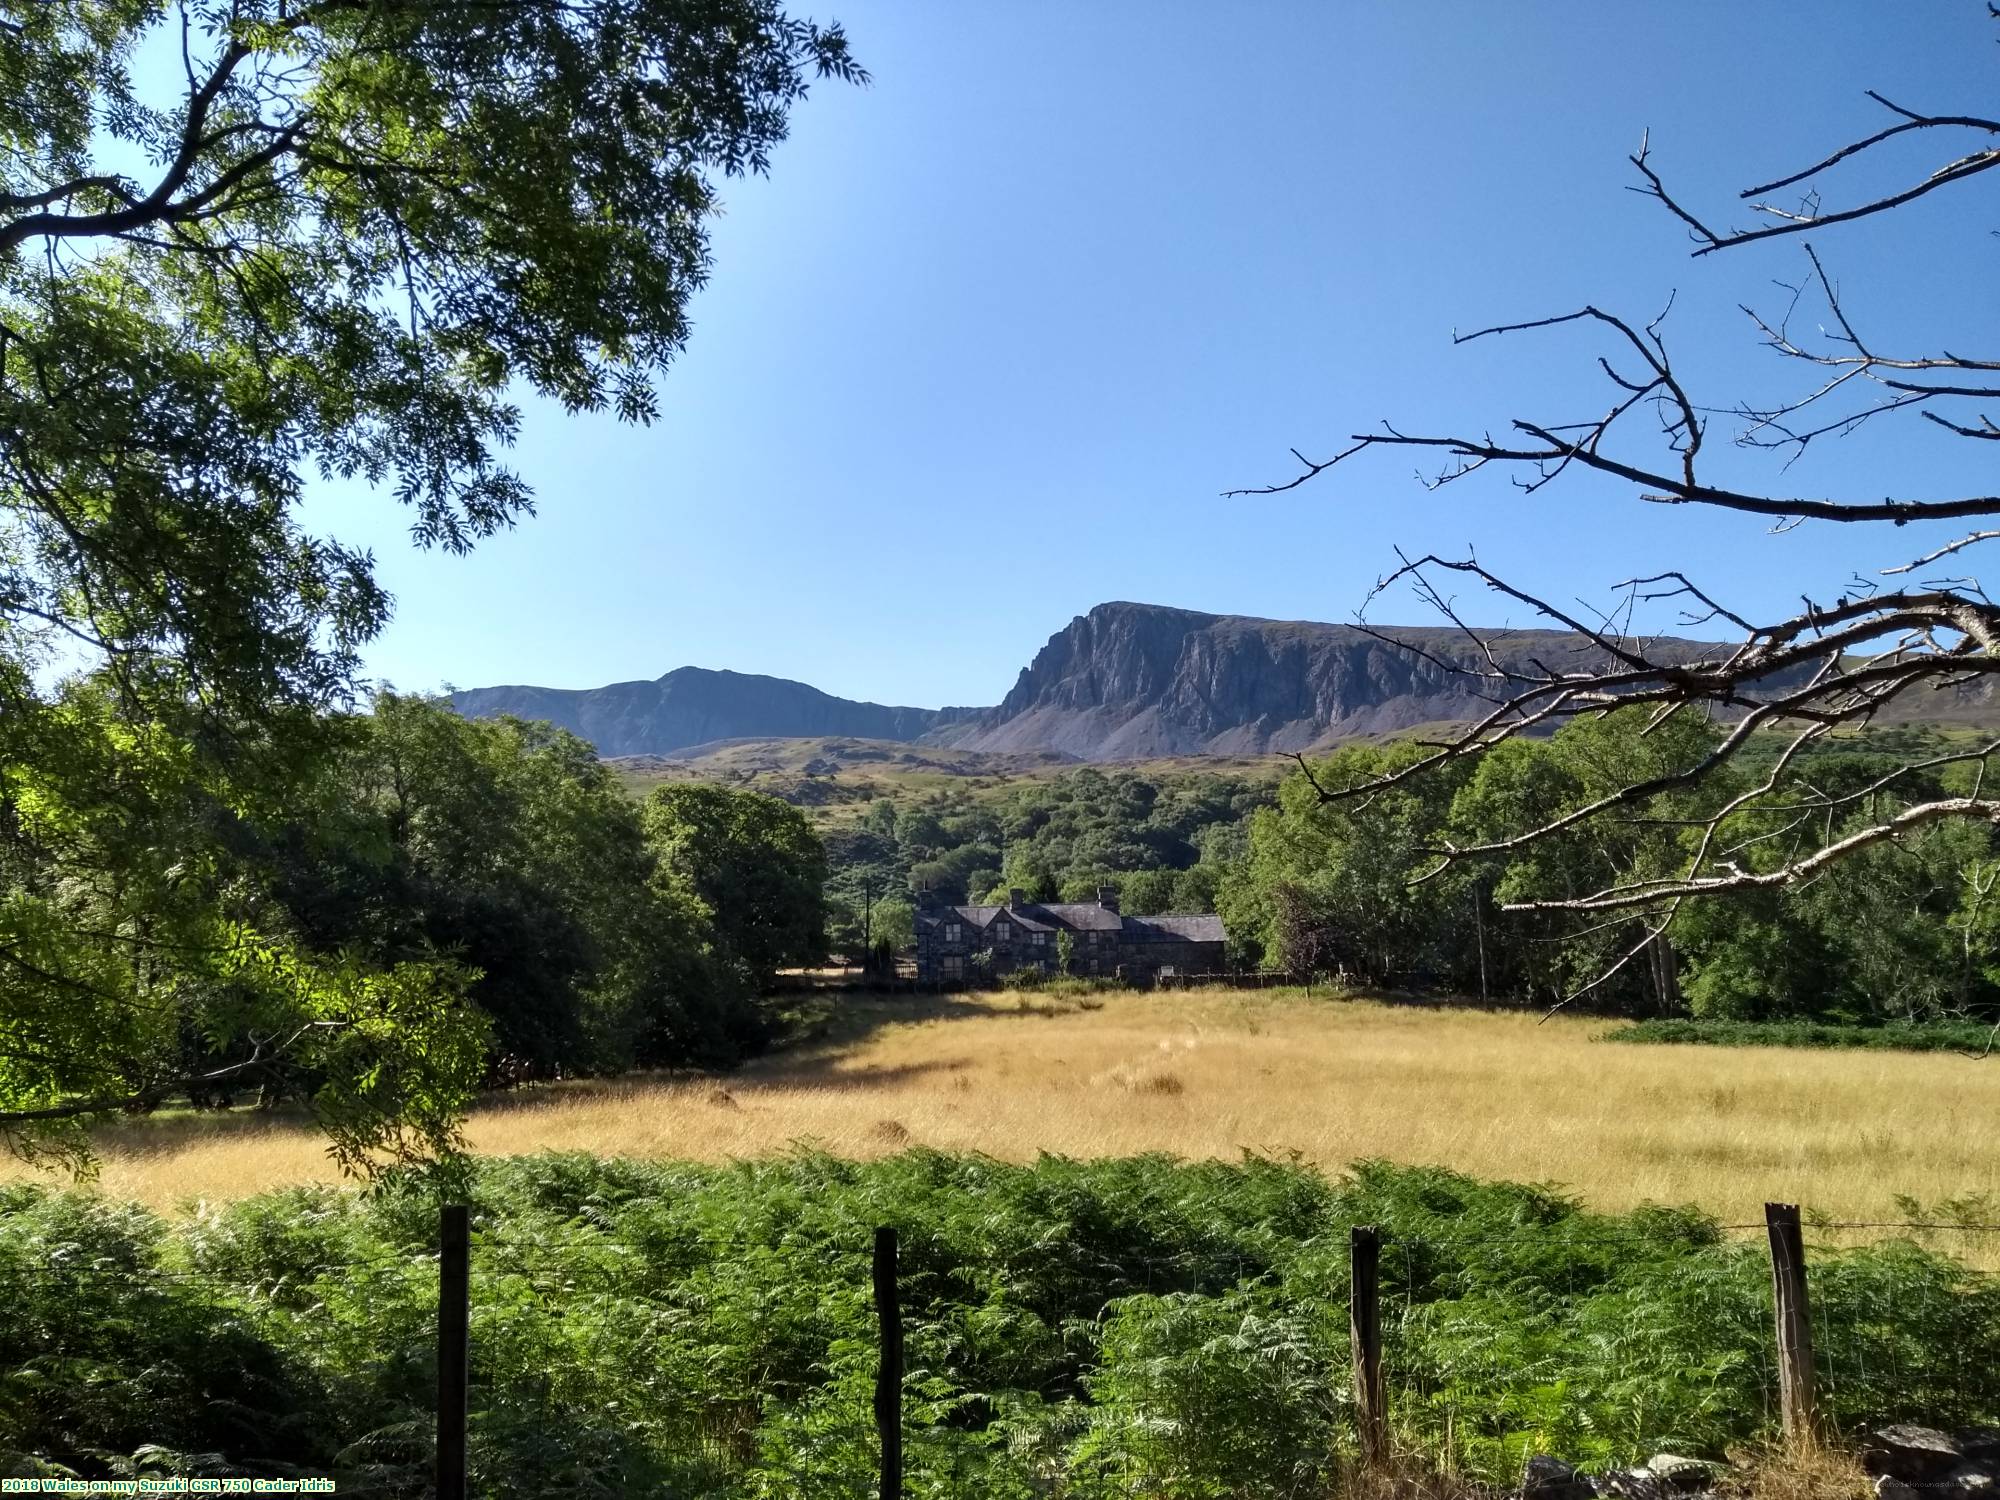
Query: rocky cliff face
column 1134, row 680
column 692, row 706
column 1125, row 681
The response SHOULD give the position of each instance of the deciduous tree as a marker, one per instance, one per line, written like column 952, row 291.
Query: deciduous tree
column 244, row 245
column 756, row 864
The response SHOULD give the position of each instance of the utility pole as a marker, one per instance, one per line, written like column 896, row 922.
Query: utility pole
column 867, row 924
column 1479, row 927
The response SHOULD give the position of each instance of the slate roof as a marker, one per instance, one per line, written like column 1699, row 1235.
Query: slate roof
column 1027, row 918
column 1083, row 916
column 983, row 917
column 1205, row 928
column 976, row 916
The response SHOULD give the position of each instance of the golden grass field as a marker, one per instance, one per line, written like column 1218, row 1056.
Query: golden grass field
column 1213, row 1073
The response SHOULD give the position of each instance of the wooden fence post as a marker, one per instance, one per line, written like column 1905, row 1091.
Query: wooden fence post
column 889, row 1372
column 1794, row 1323
column 1371, row 1419
column 454, row 1291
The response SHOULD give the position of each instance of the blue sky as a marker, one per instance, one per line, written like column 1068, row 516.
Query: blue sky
column 988, row 344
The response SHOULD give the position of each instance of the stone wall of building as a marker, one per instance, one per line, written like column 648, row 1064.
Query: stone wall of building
column 964, row 944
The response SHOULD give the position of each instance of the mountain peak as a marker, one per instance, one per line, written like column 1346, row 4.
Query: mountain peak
column 1115, row 607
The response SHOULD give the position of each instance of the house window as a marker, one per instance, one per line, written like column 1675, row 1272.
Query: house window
column 1002, row 932
column 1038, row 938
column 954, row 968
column 1093, row 966
column 951, row 932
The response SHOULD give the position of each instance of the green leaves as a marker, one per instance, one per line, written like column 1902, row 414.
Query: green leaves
column 374, row 916
column 1095, row 1329
column 1330, row 884
column 330, row 239
column 756, row 865
column 1436, row 879
column 506, row 849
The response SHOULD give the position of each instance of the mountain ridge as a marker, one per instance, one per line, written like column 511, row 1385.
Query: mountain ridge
column 1123, row 681
column 1133, row 681
column 696, row 705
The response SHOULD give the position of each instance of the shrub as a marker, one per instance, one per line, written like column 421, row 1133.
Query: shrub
column 1093, row 1328
column 1928, row 1036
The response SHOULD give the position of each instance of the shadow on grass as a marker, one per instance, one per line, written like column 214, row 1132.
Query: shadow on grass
column 813, row 1036
column 169, row 1131
column 816, row 1032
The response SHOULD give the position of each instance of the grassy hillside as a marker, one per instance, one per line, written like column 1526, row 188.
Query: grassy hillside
column 837, row 777
column 833, row 776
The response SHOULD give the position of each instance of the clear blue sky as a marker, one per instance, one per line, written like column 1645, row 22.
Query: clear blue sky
column 985, row 348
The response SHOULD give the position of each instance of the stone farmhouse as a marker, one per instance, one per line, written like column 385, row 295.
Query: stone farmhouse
column 1023, row 934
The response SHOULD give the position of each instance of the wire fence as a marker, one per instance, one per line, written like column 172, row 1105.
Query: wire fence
column 1470, row 1339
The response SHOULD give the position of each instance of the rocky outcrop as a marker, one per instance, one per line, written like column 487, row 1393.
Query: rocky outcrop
column 1907, row 1462
column 694, row 706
column 1664, row 1477
column 1136, row 680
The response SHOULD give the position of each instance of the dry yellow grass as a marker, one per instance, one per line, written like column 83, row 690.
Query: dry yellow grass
column 1214, row 1073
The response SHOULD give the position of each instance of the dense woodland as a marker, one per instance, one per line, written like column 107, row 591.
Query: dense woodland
column 1909, row 929
column 592, row 933
column 551, row 924
column 1905, row 929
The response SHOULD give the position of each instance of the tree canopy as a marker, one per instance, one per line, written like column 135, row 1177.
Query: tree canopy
column 756, row 865
column 246, row 245
column 1904, row 932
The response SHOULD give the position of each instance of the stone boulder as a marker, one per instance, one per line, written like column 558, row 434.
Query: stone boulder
column 1915, row 1455
column 1909, row 1462
column 1684, row 1476
column 1633, row 1484
column 1548, row 1478
column 1966, row 1482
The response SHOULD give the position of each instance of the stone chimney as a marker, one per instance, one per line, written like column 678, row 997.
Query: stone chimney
column 1107, row 897
column 1016, row 898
